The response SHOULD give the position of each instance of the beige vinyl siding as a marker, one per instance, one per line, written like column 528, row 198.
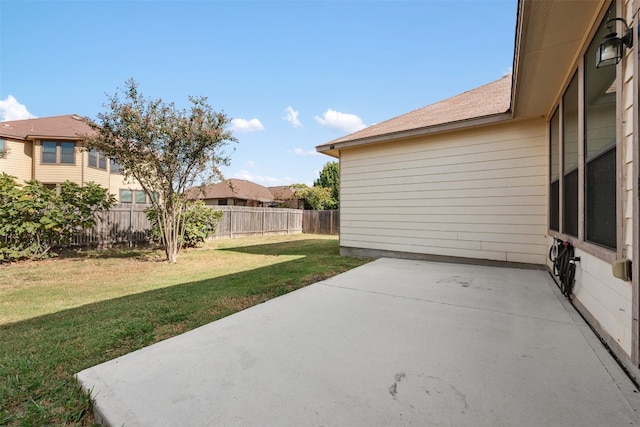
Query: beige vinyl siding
column 92, row 174
column 56, row 173
column 478, row 193
column 607, row 299
column 116, row 182
column 18, row 160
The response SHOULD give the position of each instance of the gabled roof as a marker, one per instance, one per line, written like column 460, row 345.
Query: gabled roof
column 282, row 192
column 70, row 126
column 232, row 189
column 492, row 100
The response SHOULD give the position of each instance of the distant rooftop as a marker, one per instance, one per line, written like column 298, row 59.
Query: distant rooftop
column 232, row 189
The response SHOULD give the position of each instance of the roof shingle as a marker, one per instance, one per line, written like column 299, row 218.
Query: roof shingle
column 488, row 100
column 68, row 126
column 232, row 189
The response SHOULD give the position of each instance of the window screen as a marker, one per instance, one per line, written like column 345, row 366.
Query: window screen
column 67, row 154
column 49, row 152
column 554, row 186
column 600, row 145
column 125, row 196
column 570, row 151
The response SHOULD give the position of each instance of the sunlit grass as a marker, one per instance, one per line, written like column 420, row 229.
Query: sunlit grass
column 33, row 289
column 60, row 316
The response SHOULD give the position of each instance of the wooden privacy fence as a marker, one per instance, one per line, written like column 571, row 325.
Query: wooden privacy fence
column 321, row 222
column 125, row 223
column 128, row 224
column 240, row 221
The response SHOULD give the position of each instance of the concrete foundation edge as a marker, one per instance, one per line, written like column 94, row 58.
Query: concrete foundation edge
column 380, row 253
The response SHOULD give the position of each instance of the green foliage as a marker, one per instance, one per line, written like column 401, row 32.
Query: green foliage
column 198, row 221
column 164, row 149
column 316, row 198
column 34, row 219
column 330, row 178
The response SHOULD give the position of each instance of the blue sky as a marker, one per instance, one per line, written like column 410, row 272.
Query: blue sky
column 292, row 74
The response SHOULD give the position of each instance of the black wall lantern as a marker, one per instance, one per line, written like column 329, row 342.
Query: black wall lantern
column 611, row 48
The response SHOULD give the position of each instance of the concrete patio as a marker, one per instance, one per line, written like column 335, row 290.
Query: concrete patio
column 394, row 342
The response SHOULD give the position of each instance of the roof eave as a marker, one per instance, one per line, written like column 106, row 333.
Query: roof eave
column 333, row 149
column 56, row 138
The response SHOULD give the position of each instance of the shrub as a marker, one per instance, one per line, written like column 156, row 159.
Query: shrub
column 34, row 219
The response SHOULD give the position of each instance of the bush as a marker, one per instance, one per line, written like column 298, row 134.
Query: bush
column 200, row 222
column 34, row 219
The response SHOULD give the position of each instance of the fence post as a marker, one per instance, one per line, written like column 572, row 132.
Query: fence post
column 131, row 226
column 231, row 223
column 264, row 212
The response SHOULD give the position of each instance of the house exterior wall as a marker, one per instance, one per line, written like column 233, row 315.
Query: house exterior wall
column 56, row 173
column 609, row 303
column 605, row 299
column 19, row 160
column 479, row 194
column 24, row 161
column 93, row 174
column 116, row 182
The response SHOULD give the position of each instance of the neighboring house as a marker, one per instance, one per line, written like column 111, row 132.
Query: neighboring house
column 285, row 196
column 494, row 174
column 233, row 192
column 49, row 150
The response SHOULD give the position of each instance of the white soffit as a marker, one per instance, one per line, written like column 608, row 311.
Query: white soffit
column 551, row 36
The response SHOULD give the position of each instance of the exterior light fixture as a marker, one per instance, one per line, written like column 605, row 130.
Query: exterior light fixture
column 611, row 48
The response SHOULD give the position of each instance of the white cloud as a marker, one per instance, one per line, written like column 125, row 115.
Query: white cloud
column 242, row 125
column 250, row 164
column 301, row 152
column 292, row 117
column 11, row 109
column 267, row 181
column 341, row 121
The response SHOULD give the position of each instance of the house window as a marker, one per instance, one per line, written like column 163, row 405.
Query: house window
column 222, row 202
column 3, row 148
column 52, row 186
column 589, row 155
column 141, row 198
column 125, row 196
column 554, row 155
column 570, row 154
column 599, row 147
column 114, row 167
column 58, row 152
column 133, row 196
column 97, row 159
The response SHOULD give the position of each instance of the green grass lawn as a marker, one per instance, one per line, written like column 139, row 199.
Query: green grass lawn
column 60, row 316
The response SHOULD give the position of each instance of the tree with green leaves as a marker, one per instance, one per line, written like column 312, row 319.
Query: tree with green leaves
column 330, row 178
column 165, row 150
column 316, row 198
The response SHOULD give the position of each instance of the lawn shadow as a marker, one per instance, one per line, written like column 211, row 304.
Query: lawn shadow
column 45, row 352
column 141, row 253
column 307, row 247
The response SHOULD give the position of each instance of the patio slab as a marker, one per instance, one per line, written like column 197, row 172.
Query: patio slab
column 394, row 342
